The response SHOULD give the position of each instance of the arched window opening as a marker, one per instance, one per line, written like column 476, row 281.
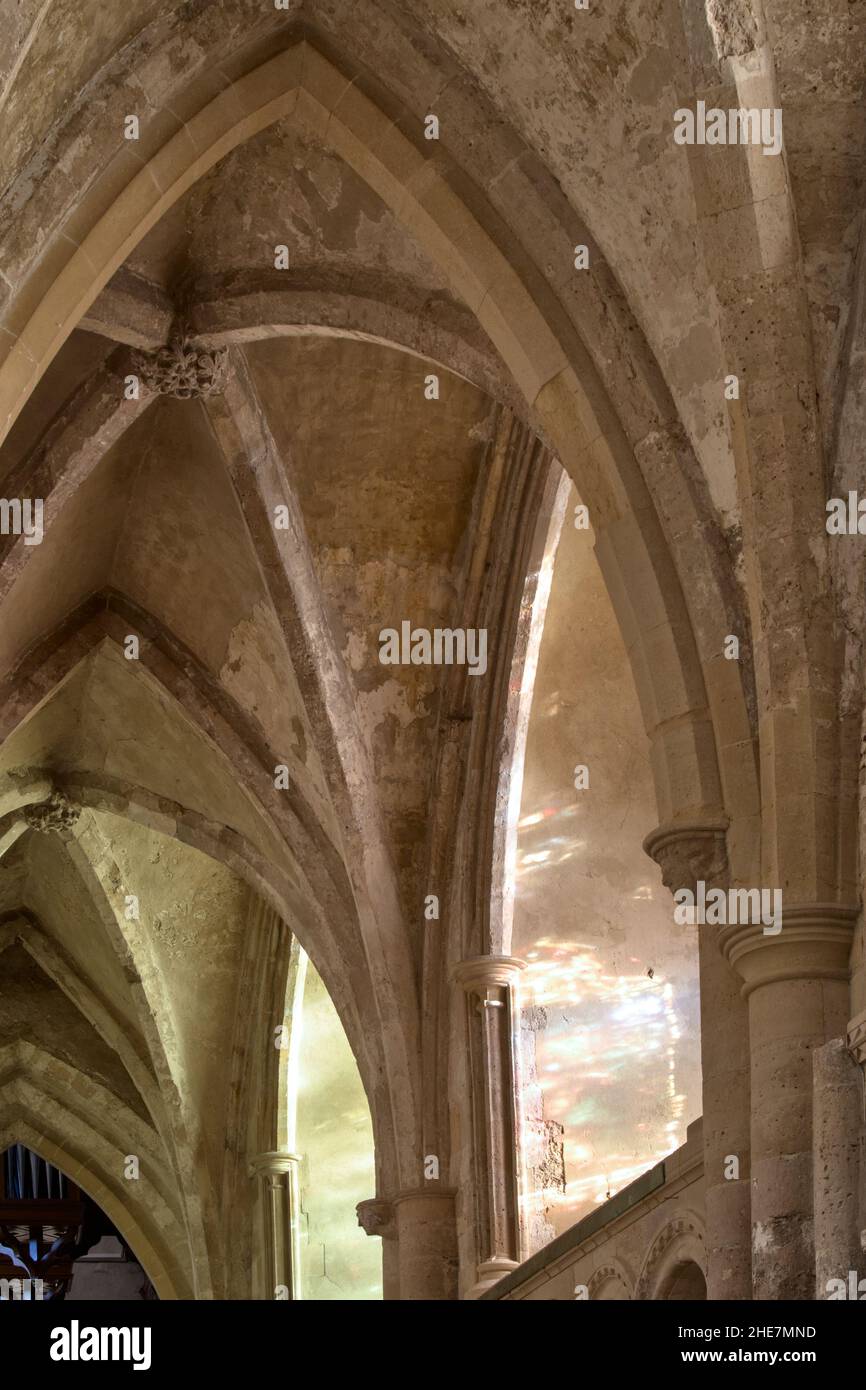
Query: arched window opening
column 328, row 1124
column 610, row 1043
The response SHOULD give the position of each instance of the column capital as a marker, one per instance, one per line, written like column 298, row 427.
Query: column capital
column 414, row 1194
column 487, row 972
column 377, row 1217
column 814, row 943
column 267, row 1164
column 688, row 852
column 56, row 814
column 857, row 1038
column 182, row 369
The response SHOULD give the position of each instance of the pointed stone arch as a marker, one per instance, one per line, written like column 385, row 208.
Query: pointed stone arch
column 35, row 1111
column 25, row 929
column 570, row 408
column 323, row 914
column 129, row 936
column 230, row 309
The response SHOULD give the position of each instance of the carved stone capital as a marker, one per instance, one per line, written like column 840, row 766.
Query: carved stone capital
column 814, row 943
column 273, row 1164
column 482, row 973
column 55, row 815
column 182, row 370
column 857, row 1038
column 377, row 1217
column 689, row 853
column 432, row 1192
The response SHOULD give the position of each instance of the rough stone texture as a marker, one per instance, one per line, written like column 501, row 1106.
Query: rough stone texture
column 166, row 648
column 836, row 1172
column 734, row 27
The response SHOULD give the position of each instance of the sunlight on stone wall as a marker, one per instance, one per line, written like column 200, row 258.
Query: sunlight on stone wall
column 610, row 991
column 335, row 1138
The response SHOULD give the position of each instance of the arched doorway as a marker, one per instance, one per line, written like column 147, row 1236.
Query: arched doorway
column 685, row 1283
column 56, row 1243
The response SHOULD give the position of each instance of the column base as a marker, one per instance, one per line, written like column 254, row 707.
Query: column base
column 489, row 1273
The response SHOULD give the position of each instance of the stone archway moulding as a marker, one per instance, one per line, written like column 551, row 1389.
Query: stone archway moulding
column 148, row 1257
column 24, row 1119
column 229, row 309
column 325, row 935
column 680, row 1241
column 608, row 1276
column 301, row 84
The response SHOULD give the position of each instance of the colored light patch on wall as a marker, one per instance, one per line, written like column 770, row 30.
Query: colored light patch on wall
column 610, row 980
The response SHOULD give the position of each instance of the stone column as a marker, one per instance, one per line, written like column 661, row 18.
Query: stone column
column 489, row 983
column 427, row 1244
column 857, row 1049
column 837, row 1120
column 796, row 983
column 687, row 854
column 278, row 1174
column 378, row 1218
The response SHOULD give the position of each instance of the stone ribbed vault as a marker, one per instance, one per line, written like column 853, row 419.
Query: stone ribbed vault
column 235, row 316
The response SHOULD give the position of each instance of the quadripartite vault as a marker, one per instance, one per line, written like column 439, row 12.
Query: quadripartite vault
column 419, row 424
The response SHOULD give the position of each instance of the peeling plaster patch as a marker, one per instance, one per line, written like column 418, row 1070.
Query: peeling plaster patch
column 254, row 658
column 325, row 176
column 355, row 651
column 387, row 701
column 368, row 595
column 696, row 357
column 157, row 77
column 328, row 214
column 762, row 1239
column 650, row 77
column 378, row 237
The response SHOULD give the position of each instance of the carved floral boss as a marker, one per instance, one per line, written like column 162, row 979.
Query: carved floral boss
column 182, row 370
